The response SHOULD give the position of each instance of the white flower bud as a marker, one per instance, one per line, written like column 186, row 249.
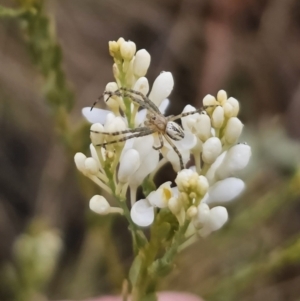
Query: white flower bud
column 142, row 213
column 203, row 127
column 236, row 158
column 218, row 117
column 141, row 63
column 209, row 100
column 95, row 115
column 235, row 104
column 113, row 47
column 95, row 135
column 162, row 88
column 228, row 110
column 129, row 163
column 79, row 159
column 222, row 97
column 99, row 205
column 174, row 205
column 192, row 211
column 202, row 185
column 142, row 85
column 212, row 148
column 233, row 130
column 116, row 71
column 127, row 50
column 203, row 213
column 217, row 218
column 225, row 190
column 91, row 166
column 120, row 42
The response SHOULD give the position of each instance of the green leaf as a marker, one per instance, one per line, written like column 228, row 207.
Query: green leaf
column 135, row 270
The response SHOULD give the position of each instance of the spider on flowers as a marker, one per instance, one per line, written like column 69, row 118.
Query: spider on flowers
column 155, row 122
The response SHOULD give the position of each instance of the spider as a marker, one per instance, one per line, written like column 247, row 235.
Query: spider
column 155, row 122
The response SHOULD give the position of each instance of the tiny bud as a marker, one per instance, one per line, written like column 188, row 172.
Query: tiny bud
column 218, row 117
column 116, row 71
column 192, row 211
column 91, row 166
column 79, row 159
column 212, row 148
column 209, row 100
column 99, row 205
column 174, row 205
column 233, row 130
column 222, row 97
column 235, row 104
column 202, row 214
column 203, row 127
column 120, row 41
column 96, row 136
column 142, row 213
column 228, row 110
column 202, row 185
column 113, row 47
column 141, row 63
column 127, row 50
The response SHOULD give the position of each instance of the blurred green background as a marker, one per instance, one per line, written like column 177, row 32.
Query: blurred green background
column 54, row 60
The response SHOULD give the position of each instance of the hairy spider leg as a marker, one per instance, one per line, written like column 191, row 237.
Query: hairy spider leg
column 144, row 97
column 176, row 151
column 191, row 112
column 136, row 135
column 139, row 129
column 161, row 142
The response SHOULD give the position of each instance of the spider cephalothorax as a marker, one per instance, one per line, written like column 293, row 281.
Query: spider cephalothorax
column 155, row 122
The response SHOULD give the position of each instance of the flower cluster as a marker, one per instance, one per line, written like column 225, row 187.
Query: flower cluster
column 130, row 160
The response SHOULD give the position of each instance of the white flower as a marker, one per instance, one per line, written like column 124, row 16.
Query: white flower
column 142, row 213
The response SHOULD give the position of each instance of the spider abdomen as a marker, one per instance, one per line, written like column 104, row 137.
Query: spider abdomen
column 174, row 131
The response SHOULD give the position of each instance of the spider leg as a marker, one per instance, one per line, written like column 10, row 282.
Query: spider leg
column 161, row 142
column 176, row 151
column 139, row 129
column 136, row 135
column 191, row 112
column 145, row 98
column 147, row 105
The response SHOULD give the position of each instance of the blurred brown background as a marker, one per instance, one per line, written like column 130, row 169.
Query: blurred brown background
column 250, row 48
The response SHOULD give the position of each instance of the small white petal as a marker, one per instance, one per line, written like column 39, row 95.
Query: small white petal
column 99, row 204
column 162, row 88
column 217, row 218
column 211, row 173
column 160, row 197
column 236, row 159
column 129, row 163
column 164, row 105
column 142, row 213
column 225, row 190
column 147, row 165
column 187, row 143
column 141, row 62
column 203, row 214
column 95, row 115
